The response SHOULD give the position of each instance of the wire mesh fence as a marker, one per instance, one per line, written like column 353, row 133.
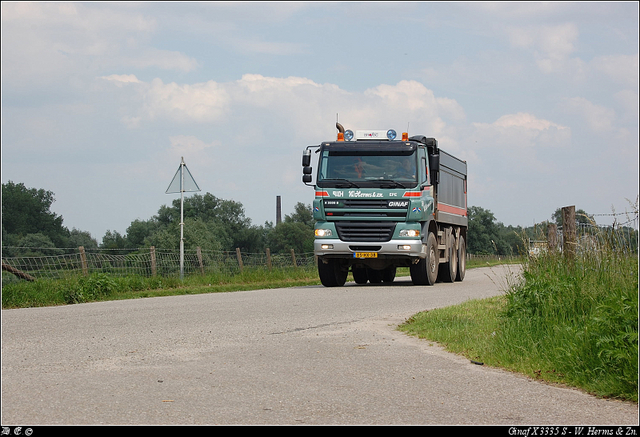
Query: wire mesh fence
column 145, row 262
column 34, row 263
column 590, row 238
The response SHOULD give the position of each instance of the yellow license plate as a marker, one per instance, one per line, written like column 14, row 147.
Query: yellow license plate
column 365, row 255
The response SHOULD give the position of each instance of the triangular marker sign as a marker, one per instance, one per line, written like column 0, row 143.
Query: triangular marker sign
column 176, row 185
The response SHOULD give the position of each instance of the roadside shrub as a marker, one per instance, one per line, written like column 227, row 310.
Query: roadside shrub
column 90, row 288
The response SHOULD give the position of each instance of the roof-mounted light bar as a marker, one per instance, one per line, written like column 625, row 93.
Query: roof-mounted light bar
column 371, row 134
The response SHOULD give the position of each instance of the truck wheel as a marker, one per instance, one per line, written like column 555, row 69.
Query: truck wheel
column 449, row 270
column 331, row 274
column 359, row 275
column 375, row 276
column 462, row 259
column 389, row 274
column 425, row 272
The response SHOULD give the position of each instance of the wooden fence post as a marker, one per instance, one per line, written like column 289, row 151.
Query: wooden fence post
column 552, row 237
column 154, row 269
column 199, row 253
column 268, row 258
column 569, row 230
column 83, row 261
column 239, row 256
column 293, row 258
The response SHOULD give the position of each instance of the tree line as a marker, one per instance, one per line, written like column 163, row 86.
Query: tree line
column 210, row 223
column 214, row 224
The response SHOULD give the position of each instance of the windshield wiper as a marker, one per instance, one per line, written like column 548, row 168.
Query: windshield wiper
column 389, row 183
column 342, row 183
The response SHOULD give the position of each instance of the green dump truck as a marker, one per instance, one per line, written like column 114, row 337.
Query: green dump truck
column 382, row 203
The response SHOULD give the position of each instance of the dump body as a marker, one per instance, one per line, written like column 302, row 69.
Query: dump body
column 383, row 204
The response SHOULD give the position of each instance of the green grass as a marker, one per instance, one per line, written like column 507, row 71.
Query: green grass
column 100, row 286
column 570, row 321
column 73, row 289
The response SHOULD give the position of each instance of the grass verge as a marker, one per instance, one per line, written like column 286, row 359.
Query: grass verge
column 101, row 287
column 570, row 321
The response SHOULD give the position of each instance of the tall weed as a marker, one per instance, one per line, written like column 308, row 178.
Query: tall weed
column 577, row 317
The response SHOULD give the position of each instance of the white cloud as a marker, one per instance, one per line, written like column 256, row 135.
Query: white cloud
column 628, row 101
column 164, row 59
column 201, row 102
column 415, row 97
column 599, row 119
column 120, row 79
column 265, row 47
column 621, row 68
column 522, row 131
column 51, row 42
column 524, row 120
column 256, row 104
column 551, row 46
column 196, row 152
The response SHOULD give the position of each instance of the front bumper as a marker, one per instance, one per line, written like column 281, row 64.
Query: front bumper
column 333, row 247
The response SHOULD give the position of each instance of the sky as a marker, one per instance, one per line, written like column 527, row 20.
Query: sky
column 100, row 101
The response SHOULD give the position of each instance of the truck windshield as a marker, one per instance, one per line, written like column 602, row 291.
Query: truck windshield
column 367, row 168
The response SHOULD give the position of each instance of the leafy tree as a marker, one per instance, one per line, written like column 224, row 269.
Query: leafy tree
column 515, row 239
column 295, row 232
column 485, row 235
column 197, row 233
column 291, row 235
column 225, row 218
column 79, row 238
column 252, row 239
column 113, row 240
column 37, row 245
column 302, row 214
column 27, row 211
column 138, row 231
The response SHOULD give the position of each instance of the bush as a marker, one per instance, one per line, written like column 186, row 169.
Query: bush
column 90, row 288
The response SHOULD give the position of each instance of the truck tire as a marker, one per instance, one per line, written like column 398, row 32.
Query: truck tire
column 449, row 270
column 359, row 275
column 375, row 276
column 462, row 259
column 389, row 274
column 331, row 274
column 425, row 272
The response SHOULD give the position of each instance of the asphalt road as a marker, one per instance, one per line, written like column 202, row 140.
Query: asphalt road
column 305, row 355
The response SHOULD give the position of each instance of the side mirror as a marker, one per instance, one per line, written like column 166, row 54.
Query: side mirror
column 434, row 165
column 306, row 158
column 306, row 178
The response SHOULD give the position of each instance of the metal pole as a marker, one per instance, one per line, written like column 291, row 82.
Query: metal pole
column 182, row 219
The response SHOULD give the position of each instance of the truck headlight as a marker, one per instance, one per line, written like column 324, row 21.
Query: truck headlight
column 323, row 232
column 409, row 233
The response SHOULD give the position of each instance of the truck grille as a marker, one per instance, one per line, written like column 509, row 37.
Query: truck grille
column 367, row 208
column 365, row 203
column 365, row 231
